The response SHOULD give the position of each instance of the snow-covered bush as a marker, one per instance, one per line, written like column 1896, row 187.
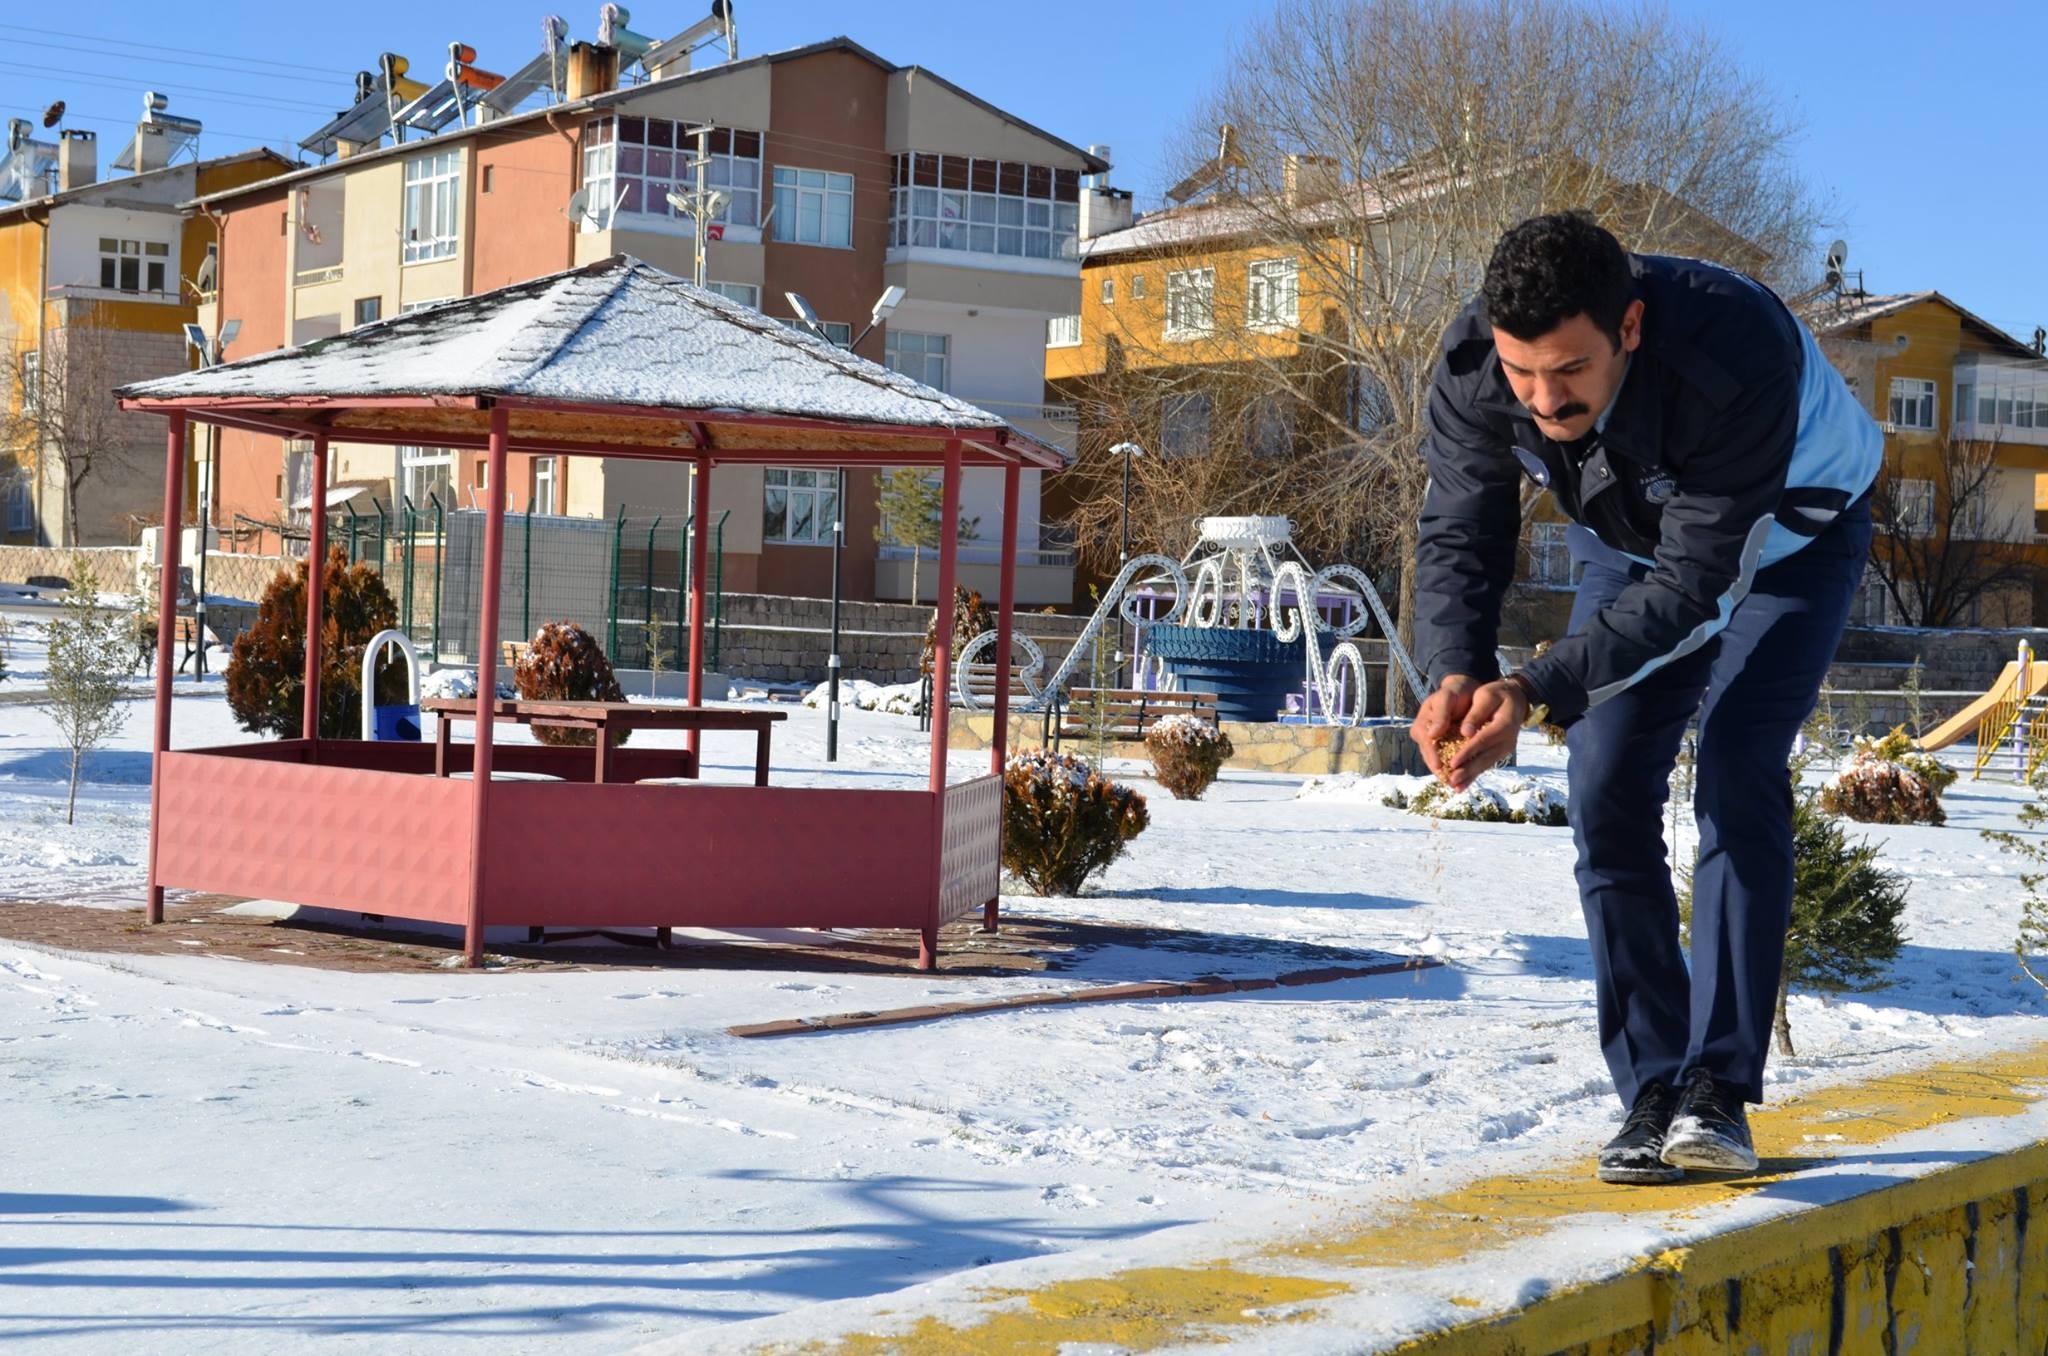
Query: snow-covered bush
column 265, row 678
column 1063, row 821
column 1887, row 781
column 458, row 683
column 1187, row 754
column 2031, row 946
column 1495, row 798
column 564, row 663
column 895, row 699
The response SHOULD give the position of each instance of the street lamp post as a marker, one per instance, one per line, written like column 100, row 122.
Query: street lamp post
column 1130, row 452
column 209, row 356
column 891, row 298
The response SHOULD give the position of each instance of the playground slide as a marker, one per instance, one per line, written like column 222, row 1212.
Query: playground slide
column 1964, row 722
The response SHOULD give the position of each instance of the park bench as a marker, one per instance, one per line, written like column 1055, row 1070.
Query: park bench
column 1127, row 713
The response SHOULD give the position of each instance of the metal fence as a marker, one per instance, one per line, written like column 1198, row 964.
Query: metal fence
column 626, row 580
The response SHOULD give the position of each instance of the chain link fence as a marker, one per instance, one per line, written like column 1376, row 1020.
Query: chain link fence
column 625, row 580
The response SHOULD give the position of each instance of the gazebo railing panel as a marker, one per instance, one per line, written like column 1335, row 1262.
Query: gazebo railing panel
column 256, row 820
column 970, row 867
column 707, row 856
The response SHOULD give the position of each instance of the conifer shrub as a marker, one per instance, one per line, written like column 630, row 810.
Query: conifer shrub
column 1063, row 821
column 2031, row 944
column 1187, row 754
column 265, row 677
column 564, row 663
column 1888, row 781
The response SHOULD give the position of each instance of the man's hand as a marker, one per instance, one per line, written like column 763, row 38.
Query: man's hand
column 1442, row 713
column 1492, row 722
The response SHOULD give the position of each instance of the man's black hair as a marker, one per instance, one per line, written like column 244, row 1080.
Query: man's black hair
column 1550, row 268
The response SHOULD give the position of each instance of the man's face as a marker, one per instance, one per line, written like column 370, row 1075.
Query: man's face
column 1567, row 377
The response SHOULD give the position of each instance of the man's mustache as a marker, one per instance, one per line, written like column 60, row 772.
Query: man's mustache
column 1564, row 412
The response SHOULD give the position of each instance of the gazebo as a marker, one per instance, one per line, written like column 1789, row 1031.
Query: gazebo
column 616, row 359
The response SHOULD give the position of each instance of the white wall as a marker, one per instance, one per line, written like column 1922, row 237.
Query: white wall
column 997, row 361
column 75, row 243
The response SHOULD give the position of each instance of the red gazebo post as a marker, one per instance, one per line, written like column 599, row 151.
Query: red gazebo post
column 486, row 679
column 166, row 642
column 316, row 595
column 942, row 678
column 1006, row 594
column 700, row 555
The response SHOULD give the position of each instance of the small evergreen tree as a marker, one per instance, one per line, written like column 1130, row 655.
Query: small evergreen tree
column 1845, row 911
column 266, row 685
column 564, row 663
column 2030, row 947
column 90, row 649
column 1914, row 709
column 912, row 502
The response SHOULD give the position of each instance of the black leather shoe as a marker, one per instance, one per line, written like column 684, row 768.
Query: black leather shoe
column 1636, row 1155
column 1710, row 1129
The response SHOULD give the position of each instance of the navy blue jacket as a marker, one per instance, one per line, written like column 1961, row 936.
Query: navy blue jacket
column 1731, row 444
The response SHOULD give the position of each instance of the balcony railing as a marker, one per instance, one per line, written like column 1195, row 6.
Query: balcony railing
column 1047, row 412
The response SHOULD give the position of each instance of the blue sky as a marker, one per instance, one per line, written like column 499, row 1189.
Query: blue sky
column 1919, row 130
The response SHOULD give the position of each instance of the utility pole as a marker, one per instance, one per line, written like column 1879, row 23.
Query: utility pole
column 701, row 203
column 833, row 664
column 1130, row 452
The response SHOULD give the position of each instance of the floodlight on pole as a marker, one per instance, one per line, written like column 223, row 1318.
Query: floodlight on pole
column 885, row 306
column 807, row 318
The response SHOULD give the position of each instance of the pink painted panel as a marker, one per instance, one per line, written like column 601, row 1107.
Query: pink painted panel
column 263, row 824
column 970, row 864
column 707, row 856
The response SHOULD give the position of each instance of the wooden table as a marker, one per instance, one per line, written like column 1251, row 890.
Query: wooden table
column 601, row 718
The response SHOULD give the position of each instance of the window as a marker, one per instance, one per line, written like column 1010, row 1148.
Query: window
column 1550, row 560
column 1872, row 604
column 1184, row 425
column 433, row 186
column 31, row 380
column 427, row 471
column 1137, row 286
column 1965, row 408
column 813, row 207
column 1190, row 302
column 1269, row 427
column 369, row 310
column 543, row 500
column 1109, row 291
column 133, row 265
column 1913, row 508
column 1063, row 331
column 21, row 509
column 1003, row 207
column 407, row 308
column 1271, row 294
column 645, row 158
column 746, row 294
column 921, row 357
column 799, row 507
column 485, row 178
column 1912, row 403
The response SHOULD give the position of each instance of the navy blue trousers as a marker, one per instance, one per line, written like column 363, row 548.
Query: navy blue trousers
column 1752, row 686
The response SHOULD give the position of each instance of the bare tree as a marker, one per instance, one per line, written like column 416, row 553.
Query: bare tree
column 1383, row 145
column 1948, row 545
column 61, row 425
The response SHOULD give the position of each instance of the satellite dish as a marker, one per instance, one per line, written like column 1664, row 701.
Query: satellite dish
column 209, row 271
column 1838, row 256
column 53, row 114
column 579, row 205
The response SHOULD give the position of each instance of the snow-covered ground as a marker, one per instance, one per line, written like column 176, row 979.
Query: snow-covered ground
column 213, row 1155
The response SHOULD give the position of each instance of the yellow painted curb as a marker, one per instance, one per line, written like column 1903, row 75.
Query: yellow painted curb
column 1953, row 1261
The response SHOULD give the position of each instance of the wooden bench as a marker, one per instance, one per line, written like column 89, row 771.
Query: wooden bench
column 1127, row 713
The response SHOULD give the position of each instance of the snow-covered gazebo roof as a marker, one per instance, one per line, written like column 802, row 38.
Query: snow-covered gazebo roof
column 613, row 359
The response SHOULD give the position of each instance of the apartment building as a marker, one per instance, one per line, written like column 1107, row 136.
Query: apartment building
column 845, row 174
column 98, row 278
column 1941, row 380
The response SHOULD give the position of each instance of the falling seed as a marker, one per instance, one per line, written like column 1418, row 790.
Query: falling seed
column 1447, row 749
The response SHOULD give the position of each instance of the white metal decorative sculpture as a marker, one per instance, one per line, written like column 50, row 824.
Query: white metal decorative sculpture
column 1242, row 569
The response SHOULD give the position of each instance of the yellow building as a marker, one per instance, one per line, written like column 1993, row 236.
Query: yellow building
column 1941, row 381
column 98, row 278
